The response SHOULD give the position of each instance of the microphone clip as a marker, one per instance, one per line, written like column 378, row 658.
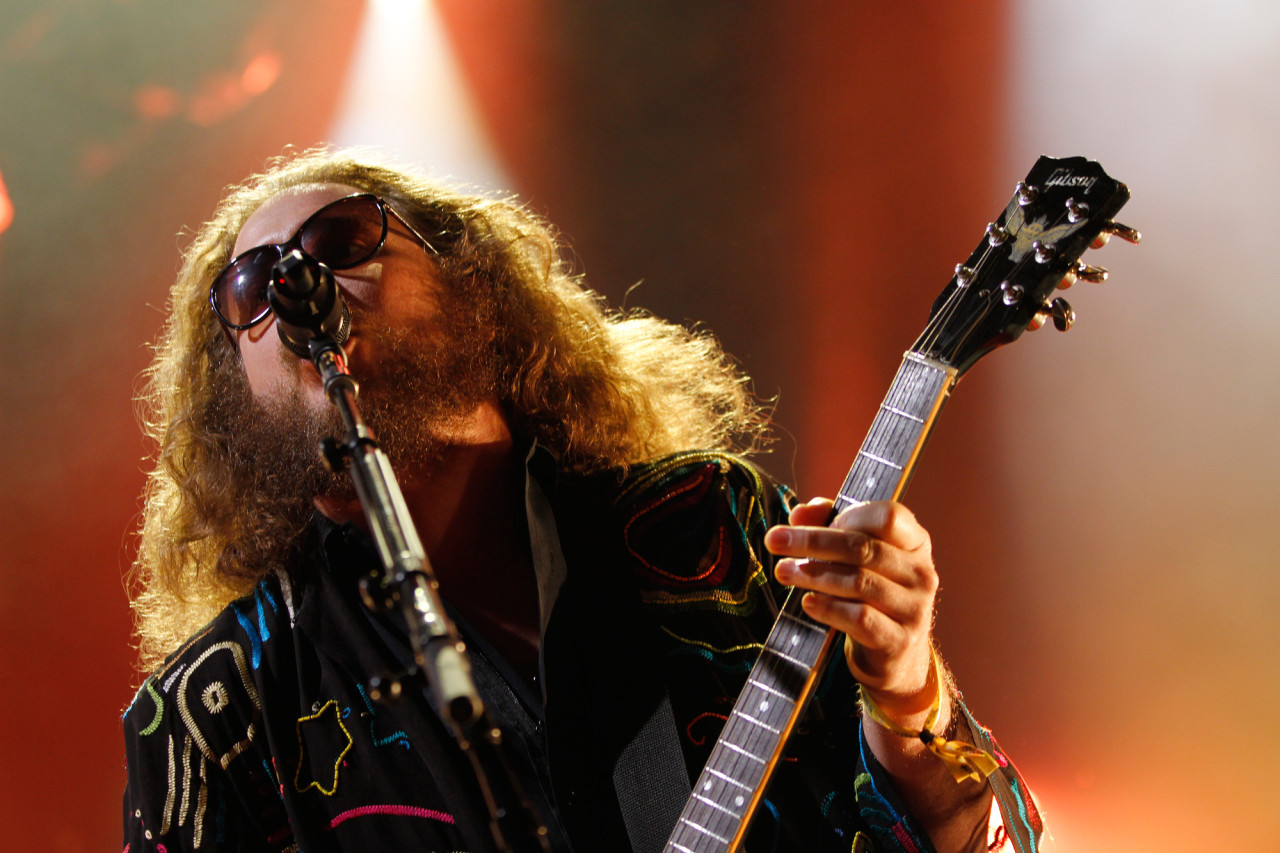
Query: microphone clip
column 307, row 303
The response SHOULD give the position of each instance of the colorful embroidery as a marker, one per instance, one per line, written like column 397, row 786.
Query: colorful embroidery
column 751, row 647
column 214, row 697
column 319, row 720
column 250, row 694
column 881, row 817
column 397, row 736
column 260, row 633
column 688, row 730
column 400, row 811
column 155, row 722
column 689, row 522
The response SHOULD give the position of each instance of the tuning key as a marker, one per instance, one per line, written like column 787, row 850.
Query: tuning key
column 997, row 234
column 1076, row 210
column 1064, row 316
column 1087, row 272
column 1027, row 194
column 1124, row 232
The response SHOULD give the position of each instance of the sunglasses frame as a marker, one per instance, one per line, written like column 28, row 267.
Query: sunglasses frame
column 295, row 242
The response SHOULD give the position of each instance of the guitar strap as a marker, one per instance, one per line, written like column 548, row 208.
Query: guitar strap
column 1022, row 823
column 649, row 778
column 651, row 781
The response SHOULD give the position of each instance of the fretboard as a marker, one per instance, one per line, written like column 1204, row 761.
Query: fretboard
column 724, row 798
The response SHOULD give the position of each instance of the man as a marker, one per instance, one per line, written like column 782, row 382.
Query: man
column 604, row 555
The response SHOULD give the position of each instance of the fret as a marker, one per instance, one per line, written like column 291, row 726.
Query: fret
column 785, row 657
column 724, row 759
column 898, row 431
column 777, row 686
column 900, row 413
column 726, row 778
column 874, row 458
column 763, row 725
column 891, row 441
column 766, row 688
column 765, row 704
column 704, row 830
column 717, row 806
column 801, row 628
column 966, row 323
column 751, row 738
column 742, row 751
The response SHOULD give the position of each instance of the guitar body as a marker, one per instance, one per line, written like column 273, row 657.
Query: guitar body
column 1033, row 247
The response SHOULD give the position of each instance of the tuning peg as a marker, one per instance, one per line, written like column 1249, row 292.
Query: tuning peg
column 964, row 275
column 1038, row 319
column 1086, row 272
column 1124, row 232
column 1044, row 252
column 1027, row 194
column 1011, row 293
column 1064, row 316
column 997, row 234
column 1076, row 210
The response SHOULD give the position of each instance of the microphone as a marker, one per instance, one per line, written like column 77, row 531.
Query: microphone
column 307, row 303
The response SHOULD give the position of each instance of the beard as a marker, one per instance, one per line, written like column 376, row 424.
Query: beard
column 425, row 384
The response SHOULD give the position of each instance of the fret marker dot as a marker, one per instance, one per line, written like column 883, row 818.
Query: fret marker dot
column 871, row 481
column 707, row 787
column 795, row 638
column 738, row 800
column 764, row 706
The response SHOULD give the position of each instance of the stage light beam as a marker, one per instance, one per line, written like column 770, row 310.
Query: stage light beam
column 405, row 96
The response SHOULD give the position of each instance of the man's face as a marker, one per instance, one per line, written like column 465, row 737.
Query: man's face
column 396, row 291
column 421, row 354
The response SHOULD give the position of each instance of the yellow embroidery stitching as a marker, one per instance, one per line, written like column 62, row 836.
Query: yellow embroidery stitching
column 337, row 763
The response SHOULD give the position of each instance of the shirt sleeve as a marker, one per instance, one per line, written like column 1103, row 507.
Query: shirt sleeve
column 199, row 777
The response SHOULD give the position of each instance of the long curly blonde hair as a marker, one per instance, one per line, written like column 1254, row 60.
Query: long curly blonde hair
column 600, row 389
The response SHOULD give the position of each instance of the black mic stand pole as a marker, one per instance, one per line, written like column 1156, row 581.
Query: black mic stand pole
column 438, row 650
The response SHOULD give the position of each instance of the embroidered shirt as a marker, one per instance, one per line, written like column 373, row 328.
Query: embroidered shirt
column 259, row 733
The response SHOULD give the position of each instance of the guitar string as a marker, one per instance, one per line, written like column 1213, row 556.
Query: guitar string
column 982, row 276
column 932, row 333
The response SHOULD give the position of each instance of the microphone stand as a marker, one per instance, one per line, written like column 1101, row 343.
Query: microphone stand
column 439, row 653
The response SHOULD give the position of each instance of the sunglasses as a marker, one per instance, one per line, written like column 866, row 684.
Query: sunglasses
column 341, row 235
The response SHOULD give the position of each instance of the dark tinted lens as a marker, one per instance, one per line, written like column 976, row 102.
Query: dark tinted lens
column 240, row 293
column 344, row 234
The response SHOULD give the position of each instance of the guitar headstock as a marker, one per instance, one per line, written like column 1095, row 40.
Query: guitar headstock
column 1057, row 212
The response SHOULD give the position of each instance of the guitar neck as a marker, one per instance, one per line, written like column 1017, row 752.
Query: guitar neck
column 884, row 465
column 732, row 784
column 1032, row 249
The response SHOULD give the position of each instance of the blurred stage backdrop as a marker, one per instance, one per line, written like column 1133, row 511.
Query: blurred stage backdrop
column 799, row 178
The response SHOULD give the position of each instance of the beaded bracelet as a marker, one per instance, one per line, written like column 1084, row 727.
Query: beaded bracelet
column 964, row 760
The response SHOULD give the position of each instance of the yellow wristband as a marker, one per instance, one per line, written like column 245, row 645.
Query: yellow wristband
column 965, row 761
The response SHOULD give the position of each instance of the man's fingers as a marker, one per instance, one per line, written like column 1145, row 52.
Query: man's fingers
column 867, row 626
column 845, row 550
column 901, row 603
column 816, row 513
column 888, row 521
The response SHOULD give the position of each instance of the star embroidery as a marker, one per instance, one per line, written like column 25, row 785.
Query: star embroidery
column 321, row 735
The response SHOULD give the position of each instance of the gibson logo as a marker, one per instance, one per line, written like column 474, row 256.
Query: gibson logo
column 1064, row 178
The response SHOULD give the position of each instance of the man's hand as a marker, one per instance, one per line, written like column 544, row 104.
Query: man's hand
column 869, row 574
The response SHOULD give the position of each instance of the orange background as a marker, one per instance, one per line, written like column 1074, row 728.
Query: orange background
column 799, row 178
